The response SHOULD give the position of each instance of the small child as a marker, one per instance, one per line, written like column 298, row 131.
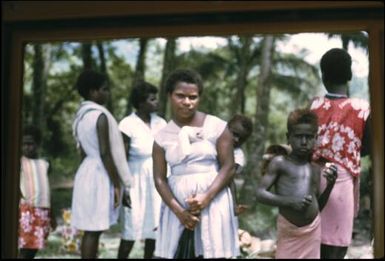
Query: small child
column 241, row 127
column 296, row 181
column 36, row 216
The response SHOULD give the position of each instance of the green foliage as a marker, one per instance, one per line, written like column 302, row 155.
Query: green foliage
column 52, row 248
column 293, row 83
column 121, row 76
column 61, row 198
column 259, row 221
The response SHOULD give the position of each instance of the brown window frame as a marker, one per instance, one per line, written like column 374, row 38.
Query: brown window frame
column 41, row 21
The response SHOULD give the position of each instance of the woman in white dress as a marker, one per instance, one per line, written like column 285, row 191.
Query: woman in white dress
column 141, row 220
column 199, row 150
column 97, row 186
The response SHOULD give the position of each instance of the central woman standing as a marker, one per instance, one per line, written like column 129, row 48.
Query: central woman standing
column 199, row 150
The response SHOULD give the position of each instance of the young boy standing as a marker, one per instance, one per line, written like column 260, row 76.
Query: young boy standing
column 296, row 181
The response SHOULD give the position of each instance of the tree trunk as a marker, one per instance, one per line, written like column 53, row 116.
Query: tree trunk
column 139, row 68
column 168, row 65
column 261, row 121
column 242, row 75
column 87, row 56
column 103, row 69
column 40, row 71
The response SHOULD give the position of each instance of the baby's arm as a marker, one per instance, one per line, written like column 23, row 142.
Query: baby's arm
column 330, row 173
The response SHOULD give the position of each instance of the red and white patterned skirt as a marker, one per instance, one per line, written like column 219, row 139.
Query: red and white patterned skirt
column 34, row 226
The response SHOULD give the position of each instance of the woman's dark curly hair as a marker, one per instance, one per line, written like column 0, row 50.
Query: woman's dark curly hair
column 140, row 93
column 90, row 80
column 183, row 75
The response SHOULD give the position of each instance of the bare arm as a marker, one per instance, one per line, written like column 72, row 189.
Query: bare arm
column 105, row 154
column 268, row 180
column 161, row 184
column 330, row 173
column 225, row 173
column 366, row 139
column 126, row 200
column 127, row 144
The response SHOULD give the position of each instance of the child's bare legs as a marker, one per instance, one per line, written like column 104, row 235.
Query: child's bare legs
column 90, row 244
column 149, row 247
column 125, row 248
column 26, row 253
column 333, row 252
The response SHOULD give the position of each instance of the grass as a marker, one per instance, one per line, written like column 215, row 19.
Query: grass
column 109, row 241
column 109, row 244
column 259, row 221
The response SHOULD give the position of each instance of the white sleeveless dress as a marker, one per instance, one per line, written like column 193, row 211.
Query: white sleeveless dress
column 140, row 221
column 194, row 166
column 93, row 193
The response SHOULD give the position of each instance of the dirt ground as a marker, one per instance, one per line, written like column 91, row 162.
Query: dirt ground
column 361, row 247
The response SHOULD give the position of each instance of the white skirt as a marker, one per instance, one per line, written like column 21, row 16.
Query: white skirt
column 93, row 197
column 142, row 219
column 216, row 235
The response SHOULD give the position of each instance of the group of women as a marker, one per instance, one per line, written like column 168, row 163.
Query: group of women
column 179, row 172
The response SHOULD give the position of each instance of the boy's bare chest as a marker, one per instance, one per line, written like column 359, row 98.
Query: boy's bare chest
column 295, row 179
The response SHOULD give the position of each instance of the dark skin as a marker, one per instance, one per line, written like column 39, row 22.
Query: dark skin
column 240, row 135
column 296, row 180
column 338, row 252
column 30, row 150
column 143, row 111
column 90, row 240
column 184, row 102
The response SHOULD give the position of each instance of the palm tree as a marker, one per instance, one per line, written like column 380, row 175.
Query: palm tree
column 358, row 39
column 287, row 74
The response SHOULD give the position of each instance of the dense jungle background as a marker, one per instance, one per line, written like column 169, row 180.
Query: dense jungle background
column 248, row 74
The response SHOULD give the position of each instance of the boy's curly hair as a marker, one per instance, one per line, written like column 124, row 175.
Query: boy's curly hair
column 299, row 116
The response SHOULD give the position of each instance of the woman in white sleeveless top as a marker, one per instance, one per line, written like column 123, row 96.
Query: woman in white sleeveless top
column 141, row 220
column 199, row 149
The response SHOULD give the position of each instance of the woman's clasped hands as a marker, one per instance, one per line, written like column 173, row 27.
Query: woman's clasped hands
column 190, row 216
